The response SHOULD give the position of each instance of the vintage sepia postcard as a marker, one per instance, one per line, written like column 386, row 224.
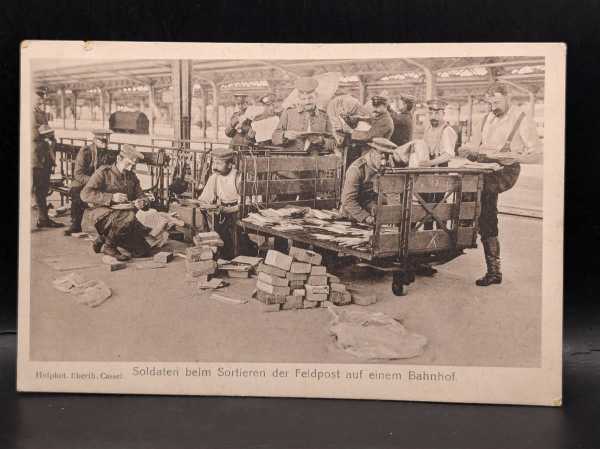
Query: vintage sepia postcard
column 366, row 221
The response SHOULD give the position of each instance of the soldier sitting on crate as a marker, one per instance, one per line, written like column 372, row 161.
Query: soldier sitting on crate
column 506, row 136
column 240, row 128
column 109, row 187
column 220, row 199
column 89, row 158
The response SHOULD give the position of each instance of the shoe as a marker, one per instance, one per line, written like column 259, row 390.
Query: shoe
column 70, row 231
column 425, row 270
column 97, row 245
column 114, row 252
column 489, row 279
column 491, row 249
column 49, row 224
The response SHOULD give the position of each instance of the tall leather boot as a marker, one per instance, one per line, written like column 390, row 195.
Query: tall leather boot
column 491, row 249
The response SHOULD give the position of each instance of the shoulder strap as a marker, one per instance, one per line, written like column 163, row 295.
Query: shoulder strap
column 513, row 131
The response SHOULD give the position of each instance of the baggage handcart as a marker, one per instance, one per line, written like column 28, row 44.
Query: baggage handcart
column 401, row 241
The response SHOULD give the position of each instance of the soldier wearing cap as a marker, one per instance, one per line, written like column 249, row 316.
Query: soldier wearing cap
column 508, row 137
column 439, row 137
column 220, row 198
column 358, row 195
column 43, row 163
column 403, row 119
column 240, row 129
column 113, row 185
column 382, row 124
column 89, row 159
column 306, row 116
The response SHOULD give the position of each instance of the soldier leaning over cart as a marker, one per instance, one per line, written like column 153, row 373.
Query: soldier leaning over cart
column 508, row 137
column 114, row 193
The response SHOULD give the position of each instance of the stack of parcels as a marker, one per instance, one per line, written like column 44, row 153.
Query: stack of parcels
column 200, row 263
column 298, row 281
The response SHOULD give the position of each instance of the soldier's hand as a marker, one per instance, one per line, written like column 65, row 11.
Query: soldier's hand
column 290, row 135
column 234, row 121
column 119, row 198
column 139, row 203
column 370, row 220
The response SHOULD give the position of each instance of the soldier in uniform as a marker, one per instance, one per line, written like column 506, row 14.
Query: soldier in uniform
column 359, row 198
column 112, row 185
column 43, row 162
column 508, row 137
column 89, row 158
column 220, row 198
column 240, row 129
column 382, row 124
column 304, row 117
column 402, row 118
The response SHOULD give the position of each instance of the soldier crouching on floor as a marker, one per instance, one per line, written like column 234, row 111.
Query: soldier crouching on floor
column 113, row 185
column 220, row 199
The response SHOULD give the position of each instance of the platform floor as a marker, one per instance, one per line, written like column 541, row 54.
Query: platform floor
column 154, row 315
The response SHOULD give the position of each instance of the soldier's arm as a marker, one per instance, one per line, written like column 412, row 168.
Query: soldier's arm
column 277, row 138
column 81, row 161
column 447, row 145
column 94, row 193
column 208, row 195
column 230, row 130
column 352, row 185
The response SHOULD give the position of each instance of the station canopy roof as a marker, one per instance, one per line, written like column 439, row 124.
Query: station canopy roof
column 454, row 77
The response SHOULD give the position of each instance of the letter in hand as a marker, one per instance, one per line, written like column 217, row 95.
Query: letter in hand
column 140, row 203
column 119, row 198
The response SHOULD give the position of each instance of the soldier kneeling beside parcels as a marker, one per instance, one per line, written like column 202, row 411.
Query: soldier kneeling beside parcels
column 107, row 192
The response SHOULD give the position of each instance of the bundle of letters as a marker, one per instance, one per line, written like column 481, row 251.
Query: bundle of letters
column 298, row 281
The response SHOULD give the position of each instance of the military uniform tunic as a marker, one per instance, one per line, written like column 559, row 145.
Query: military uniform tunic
column 359, row 197
column 118, row 227
column 89, row 158
column 299, row 120
column 243, row 136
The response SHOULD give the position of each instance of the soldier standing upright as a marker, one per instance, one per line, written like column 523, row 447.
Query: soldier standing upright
column 240, row 129
column 43, row 162
column 506, row 136
column 304, row 117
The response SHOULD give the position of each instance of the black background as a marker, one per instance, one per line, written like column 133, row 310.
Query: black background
column 80, row 421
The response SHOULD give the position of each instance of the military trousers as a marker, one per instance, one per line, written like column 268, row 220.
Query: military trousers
column 77, row 208
column 39, row 190
column 121, row 228
column 488, row 218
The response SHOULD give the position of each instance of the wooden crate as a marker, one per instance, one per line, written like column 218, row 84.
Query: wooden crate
column 406, row 201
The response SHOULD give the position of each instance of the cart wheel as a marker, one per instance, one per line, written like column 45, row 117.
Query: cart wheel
column 399, row 289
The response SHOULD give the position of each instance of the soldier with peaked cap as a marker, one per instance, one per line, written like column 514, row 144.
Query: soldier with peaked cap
column 113, row 185
column 506, row 136
column 439, row 137
column 403, row 119
column 220, row 198
column 306, row 116
column 89, row 159
column 240, row 129
column 43, row 162
column 382, row 124
column 359, row 197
